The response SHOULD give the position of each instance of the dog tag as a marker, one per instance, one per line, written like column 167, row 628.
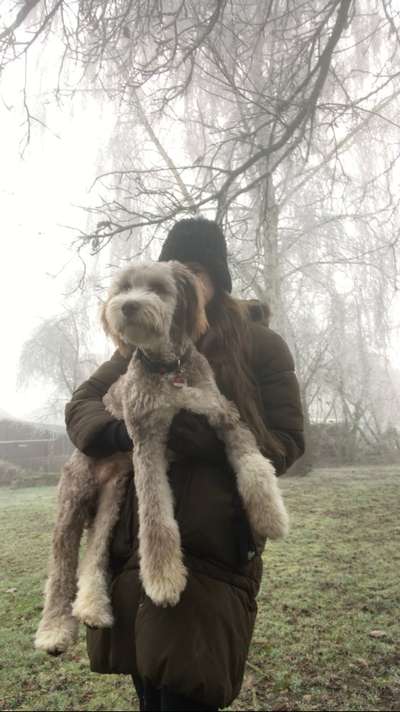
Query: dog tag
column 178, row 381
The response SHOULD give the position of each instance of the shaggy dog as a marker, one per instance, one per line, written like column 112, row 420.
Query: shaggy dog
column 158, row 309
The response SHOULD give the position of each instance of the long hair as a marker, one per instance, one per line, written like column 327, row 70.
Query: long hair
column 227, row 346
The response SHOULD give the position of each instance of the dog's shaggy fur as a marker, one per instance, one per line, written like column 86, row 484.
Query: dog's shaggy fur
column 159, row 309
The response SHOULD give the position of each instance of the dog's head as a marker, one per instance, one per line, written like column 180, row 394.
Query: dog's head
column 150, row 304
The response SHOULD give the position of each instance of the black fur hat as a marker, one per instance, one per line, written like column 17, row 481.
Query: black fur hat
column 199, row 240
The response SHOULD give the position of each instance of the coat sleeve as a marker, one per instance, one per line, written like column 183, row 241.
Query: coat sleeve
column 280, row 394
column 90, row 427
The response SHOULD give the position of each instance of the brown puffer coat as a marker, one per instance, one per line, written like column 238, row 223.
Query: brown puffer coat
column 198, row 648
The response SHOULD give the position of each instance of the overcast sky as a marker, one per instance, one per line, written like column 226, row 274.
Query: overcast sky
column 37, row 197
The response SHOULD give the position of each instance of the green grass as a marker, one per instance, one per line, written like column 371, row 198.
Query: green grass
column 325, row 590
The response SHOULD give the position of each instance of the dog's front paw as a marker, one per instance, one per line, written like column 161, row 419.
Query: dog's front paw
column 167, row 585
column 270, row 515
column 93, row 608
column 54, row 636
column 262, row 497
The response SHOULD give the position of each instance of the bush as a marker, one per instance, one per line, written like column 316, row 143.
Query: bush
column 337, row 444
column 9, row 473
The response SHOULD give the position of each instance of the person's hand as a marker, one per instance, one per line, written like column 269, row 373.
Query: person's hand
column 112, row 439
column 119, row 437
column 192, row 436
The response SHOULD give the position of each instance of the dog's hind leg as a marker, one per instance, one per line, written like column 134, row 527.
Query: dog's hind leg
column 58, row 628
column 161, row 561
column 92, row 605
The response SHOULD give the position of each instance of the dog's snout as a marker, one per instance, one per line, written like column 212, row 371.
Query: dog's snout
column 129, row 308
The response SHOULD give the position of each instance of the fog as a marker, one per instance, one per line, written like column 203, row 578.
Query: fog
column 283, row 126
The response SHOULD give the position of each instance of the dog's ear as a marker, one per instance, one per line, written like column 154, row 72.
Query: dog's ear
column 123, row 348
column 189, row 317
column 103, row 319
column 201, row 324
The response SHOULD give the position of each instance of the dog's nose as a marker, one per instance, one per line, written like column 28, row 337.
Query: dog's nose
column 129, row 308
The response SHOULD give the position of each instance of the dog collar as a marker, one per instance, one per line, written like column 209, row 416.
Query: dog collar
column 160, row 367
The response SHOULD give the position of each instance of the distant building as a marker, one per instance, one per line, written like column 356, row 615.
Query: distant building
column 35, row 447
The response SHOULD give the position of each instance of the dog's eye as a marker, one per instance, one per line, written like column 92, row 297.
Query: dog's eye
column 158, row 287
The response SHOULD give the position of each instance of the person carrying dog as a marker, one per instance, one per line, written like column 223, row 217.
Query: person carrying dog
column 192, row 656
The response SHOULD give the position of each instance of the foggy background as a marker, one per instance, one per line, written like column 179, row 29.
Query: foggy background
column 278, row 119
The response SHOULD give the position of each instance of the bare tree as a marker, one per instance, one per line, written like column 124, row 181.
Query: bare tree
column 280, row 120
column 58, row 354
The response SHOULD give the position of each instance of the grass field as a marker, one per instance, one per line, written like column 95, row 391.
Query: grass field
column 328, row 630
